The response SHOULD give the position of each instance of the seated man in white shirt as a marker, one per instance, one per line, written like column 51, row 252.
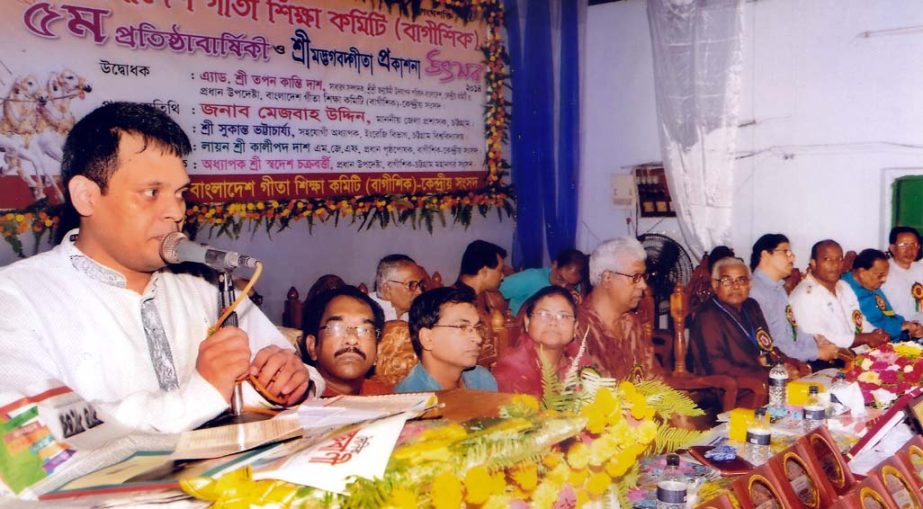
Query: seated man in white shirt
column 398, row 280
column 904, row 287
column 824, row 304
column 101, row 314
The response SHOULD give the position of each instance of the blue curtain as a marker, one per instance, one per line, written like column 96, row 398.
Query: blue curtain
column 544, row 166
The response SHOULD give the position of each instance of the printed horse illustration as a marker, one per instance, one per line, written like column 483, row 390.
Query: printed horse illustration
column 20, row 106
column 60, row 89
column 36, row 119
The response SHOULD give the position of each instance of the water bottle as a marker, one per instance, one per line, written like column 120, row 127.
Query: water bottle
column 815, row 411
column 778, row 382
column 759, row 438
column 671, row 488
column 836, row 406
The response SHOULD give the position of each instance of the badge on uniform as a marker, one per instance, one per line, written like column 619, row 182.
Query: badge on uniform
column 857, row 320
column 763, row 339
column 917, row 291
column 883, row 306
column 637, row 374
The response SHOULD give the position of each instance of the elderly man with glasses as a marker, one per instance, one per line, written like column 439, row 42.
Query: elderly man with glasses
column 772, row 260
column 615, row 344
column 904, row 287
column 342, row 328
column 398, row 280
column 729, row 335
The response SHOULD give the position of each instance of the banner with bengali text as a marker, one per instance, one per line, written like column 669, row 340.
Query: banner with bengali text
column 281, row 98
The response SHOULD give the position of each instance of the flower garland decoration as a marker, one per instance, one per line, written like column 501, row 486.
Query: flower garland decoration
column 584, row 454
column 39, row 220
column 420, row 210
column 892, row 367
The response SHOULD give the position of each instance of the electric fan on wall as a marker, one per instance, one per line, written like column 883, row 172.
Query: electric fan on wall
column 667, row 264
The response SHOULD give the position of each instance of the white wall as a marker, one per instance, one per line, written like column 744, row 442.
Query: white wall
column 835, row 113
column 295, row 258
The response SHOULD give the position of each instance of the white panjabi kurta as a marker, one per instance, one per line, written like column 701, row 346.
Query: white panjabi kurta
column 898, row 289
column 818, row 311
column 68, row 320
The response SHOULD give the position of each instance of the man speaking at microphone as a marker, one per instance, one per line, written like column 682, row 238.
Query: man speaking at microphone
column 102, row 315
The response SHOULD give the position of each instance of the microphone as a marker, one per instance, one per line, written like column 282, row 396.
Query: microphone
column 177, row 248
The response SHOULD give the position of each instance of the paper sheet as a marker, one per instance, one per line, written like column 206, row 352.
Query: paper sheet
column 361, row 451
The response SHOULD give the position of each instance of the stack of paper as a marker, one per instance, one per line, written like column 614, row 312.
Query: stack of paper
column 344, row 410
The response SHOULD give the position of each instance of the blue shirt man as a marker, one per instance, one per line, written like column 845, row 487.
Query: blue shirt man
column 446, row 333
column 567, row 270
column 772, row 260
column 419, row 380
column 869, row 272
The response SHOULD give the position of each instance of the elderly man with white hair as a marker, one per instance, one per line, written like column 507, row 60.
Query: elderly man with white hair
column 615, row 344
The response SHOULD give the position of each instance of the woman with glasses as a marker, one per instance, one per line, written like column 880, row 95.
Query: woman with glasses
column 549, row 331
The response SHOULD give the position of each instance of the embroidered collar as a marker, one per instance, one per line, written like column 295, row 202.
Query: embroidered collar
column 97, row 271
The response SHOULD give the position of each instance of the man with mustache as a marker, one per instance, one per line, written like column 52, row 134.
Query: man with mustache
column 102, row 314
column 341, row 332
column 615, row 344
column 446, row 332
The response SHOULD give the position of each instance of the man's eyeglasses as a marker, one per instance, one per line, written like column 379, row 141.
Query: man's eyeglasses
column 787, row 252
column 479, row 328
column 411, row 285
column 548, row 316
column 635, row 278
column 340, row 330
column 904, row 245
column 728, row 281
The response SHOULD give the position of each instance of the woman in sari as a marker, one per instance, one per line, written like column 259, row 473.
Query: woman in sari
column 549, row 321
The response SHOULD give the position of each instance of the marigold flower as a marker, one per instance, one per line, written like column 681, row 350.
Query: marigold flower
column 526, row 476
column 598, row 483
column 545, row 496
column 578, row 456
column 446, row 491
column 479, row 486
column 403, row 499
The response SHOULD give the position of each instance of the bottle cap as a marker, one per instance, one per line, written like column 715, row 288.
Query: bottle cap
column 759, row 412
column 812, row 389
column 672, row 460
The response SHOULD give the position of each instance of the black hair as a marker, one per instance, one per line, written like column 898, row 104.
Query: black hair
column 867, row 258
column 718, row 253
column 424, row 312
column 897, row 230
column 767, row 242
column 571, row 257
column 316, row 307
column 480, row 254
column 549, row 291
column 92, row 146
column 823, row 243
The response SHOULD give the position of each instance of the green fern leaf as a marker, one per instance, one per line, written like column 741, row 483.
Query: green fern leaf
column 668, row 401
column 669, row 439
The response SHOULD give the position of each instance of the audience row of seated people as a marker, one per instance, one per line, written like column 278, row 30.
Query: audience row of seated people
column 580, row 312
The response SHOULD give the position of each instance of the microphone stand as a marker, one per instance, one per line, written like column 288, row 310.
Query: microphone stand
column 226, row 296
